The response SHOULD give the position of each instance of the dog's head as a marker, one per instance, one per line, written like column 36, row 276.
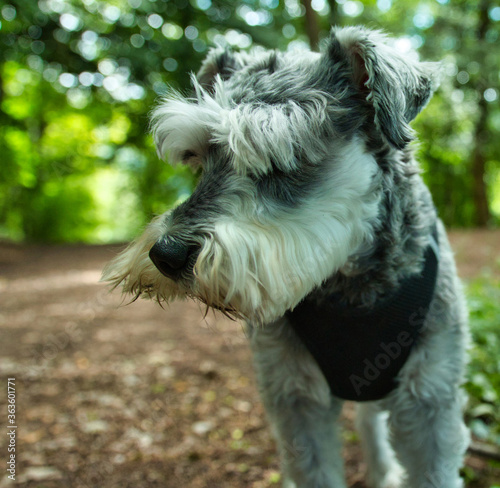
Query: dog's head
column 290, row 187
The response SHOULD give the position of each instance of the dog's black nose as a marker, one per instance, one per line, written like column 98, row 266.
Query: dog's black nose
column 170, row 256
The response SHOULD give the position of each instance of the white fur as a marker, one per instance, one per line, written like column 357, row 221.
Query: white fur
column 301, row 409
column 413, row 438
column 262, row 266
column 383, row 469
column 257, row 136
column 259, row 258
column 136, row 272
column 181, row 125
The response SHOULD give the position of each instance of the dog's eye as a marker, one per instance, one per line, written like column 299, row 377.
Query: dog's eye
column 188, row 155
column 191, row 159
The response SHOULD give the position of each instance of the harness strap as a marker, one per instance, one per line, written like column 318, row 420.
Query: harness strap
column 361, row 351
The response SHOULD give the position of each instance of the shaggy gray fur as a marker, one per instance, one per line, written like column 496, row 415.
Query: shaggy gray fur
column 310, row 190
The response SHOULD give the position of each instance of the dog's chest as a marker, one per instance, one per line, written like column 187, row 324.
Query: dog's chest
column 361, row 351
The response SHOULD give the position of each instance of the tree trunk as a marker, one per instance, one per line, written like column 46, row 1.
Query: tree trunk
column 312, row 28
column 480, row 196
column 482, row 210
column 335, row 19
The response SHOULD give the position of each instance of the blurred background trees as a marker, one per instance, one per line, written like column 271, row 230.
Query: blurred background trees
column 78, row 78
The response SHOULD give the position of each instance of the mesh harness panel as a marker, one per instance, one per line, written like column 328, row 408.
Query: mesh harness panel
column 361, row 350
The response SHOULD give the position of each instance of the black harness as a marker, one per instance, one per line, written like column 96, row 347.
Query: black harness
column 361, row 350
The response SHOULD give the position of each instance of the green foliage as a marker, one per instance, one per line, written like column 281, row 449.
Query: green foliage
column 78, row 78
column 483, row 382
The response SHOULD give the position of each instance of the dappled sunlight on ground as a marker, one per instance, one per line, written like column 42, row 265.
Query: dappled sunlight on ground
column 134, row 395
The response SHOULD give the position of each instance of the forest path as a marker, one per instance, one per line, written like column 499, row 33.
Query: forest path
column 137, row 396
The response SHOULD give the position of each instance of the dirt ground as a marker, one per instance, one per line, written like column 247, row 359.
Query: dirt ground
column 135, row 396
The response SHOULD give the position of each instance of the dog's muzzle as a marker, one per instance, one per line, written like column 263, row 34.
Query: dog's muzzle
column 172, row 257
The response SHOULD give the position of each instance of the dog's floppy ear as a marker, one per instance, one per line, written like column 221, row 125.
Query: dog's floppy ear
column 396, row 86
column 219, row 61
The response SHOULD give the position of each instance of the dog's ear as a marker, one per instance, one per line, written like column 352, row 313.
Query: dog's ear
column 219, row 61
column 396, row 86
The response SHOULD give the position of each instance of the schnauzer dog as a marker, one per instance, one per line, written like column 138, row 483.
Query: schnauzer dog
column 311, row 222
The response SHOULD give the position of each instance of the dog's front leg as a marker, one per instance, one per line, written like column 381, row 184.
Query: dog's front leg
column 383, row 470
column 426, row 413
column 300, row 407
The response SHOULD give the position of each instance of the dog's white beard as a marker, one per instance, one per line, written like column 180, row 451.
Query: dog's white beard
column 258, row 268
column 262, row 273
column 136, row 273
column 251, row 271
